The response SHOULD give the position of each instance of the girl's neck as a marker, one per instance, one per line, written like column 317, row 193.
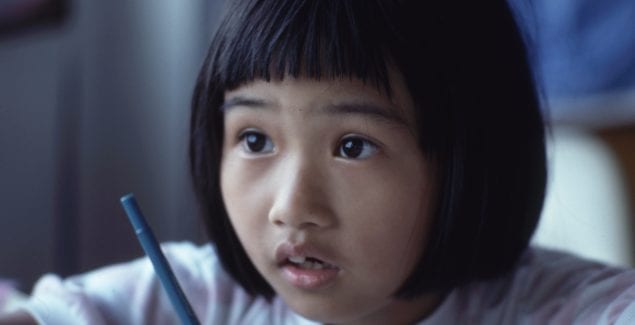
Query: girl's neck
column 403, row 311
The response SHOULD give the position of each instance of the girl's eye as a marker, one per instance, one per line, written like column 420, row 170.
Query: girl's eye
column 356, row 148
column 256, row 142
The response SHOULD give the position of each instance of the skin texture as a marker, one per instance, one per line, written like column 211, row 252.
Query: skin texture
column 332, row 166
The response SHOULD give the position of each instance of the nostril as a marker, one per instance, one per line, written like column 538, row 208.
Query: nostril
column 295, row 209
column 296, row 222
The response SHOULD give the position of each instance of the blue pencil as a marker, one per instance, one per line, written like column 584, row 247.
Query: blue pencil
column 160, row 263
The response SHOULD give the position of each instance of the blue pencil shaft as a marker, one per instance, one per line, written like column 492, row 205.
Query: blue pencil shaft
column 161, row 267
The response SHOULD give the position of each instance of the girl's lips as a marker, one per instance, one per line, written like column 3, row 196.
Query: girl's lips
column 301, row 276
column 308, row 278
column 286, row 250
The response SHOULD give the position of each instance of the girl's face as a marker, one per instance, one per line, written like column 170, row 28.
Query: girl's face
column 329, row 194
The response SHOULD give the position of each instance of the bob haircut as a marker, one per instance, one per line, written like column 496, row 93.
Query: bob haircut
column 477, row 110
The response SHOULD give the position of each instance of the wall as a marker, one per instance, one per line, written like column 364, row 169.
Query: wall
column 28, row 137
column 89, row 112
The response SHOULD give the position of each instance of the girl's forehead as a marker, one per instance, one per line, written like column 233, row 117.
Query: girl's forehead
column 339, row 90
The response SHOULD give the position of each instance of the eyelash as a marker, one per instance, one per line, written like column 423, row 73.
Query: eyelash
column 354, row 144
column 368, row 148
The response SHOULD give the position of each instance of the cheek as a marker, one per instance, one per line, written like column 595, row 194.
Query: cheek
column 394, row 230
column 389, row 219
column 244, row 196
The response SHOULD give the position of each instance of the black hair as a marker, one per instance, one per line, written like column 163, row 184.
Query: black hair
column 477, row 111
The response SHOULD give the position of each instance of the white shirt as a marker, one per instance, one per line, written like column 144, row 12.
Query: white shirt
column 546, row 287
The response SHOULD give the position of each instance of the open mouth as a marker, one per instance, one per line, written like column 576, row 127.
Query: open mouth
column 308, row 273
column 309, row 263
column 304, row 266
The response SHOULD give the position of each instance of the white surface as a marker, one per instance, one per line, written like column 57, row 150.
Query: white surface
column 586, row 210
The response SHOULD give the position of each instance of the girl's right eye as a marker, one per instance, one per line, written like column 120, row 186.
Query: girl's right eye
column 256, row 142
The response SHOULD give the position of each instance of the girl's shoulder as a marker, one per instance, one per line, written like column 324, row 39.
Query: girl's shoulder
column 546, row 287
column 130, row 293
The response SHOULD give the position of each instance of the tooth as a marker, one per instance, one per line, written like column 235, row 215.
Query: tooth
column 313, row 265
column 297, row 259
column 303, row 262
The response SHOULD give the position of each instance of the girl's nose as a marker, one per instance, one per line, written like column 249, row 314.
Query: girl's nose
column 300, row 196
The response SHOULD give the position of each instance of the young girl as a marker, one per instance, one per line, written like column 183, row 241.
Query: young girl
column 373, row 162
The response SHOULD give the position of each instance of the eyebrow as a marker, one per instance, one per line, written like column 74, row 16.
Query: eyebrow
column 238, row 101
column 373, row 111
column 361, row 108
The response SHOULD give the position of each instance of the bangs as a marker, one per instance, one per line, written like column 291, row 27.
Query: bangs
column 304, row 38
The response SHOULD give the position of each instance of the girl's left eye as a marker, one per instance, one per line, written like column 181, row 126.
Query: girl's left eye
column 256, row 142
column 356, row 148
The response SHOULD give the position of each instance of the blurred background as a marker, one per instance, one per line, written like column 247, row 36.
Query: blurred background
column 94, row 103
